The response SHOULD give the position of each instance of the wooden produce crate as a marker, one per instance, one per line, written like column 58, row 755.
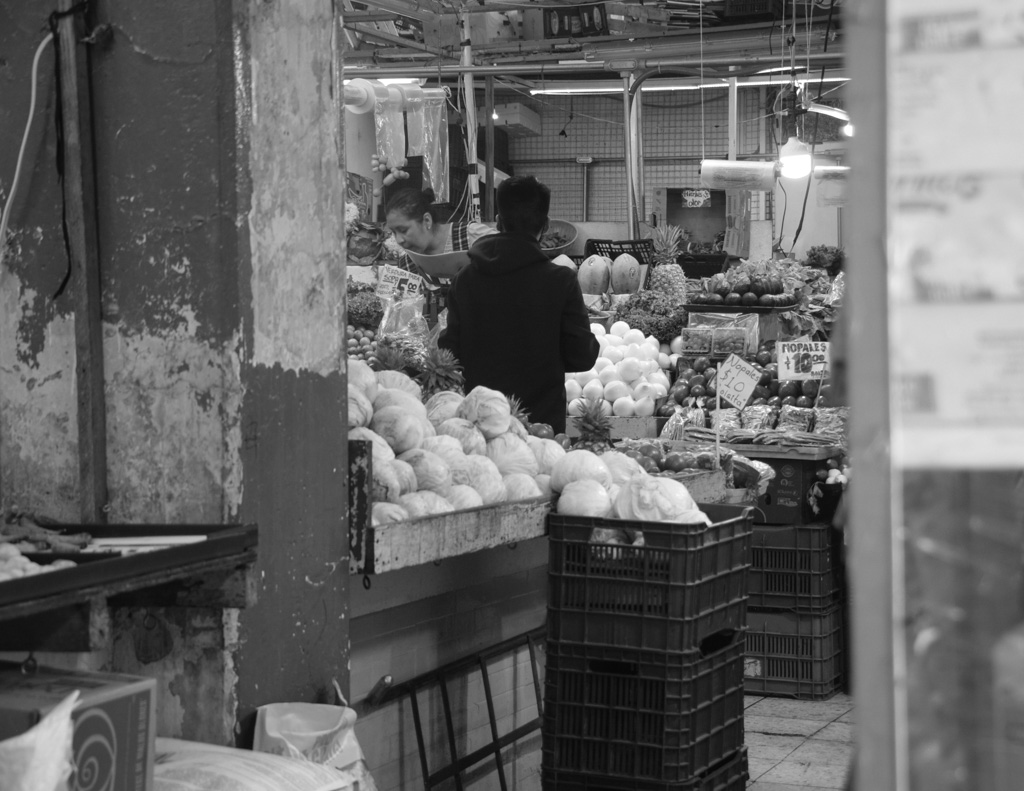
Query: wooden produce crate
column 374, row 550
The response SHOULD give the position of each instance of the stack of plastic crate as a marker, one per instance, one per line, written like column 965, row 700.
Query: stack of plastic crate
column 644, row 678
column 796, row 630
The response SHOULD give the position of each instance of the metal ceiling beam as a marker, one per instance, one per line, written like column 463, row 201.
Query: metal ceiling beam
column 395, row 40
column 579, row 67
column 404, row 9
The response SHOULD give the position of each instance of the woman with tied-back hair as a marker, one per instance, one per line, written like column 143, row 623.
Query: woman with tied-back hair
column 418, row 226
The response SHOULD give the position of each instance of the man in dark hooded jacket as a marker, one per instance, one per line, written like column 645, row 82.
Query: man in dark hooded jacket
column 516, row 321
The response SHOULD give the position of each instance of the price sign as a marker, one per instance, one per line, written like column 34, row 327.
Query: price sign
column 803, row 359
column 398, row 284
column 696, row 198
column 736, row 380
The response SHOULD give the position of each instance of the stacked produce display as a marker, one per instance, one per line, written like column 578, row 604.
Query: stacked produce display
column 789, row 439
column 629, row 377
column 448, row 453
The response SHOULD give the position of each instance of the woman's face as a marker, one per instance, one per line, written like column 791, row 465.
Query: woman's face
column 412, row 234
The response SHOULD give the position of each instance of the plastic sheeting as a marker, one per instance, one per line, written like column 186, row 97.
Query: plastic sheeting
column 435, row 147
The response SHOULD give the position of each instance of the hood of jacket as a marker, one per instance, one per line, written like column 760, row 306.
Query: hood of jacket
column 506, row 252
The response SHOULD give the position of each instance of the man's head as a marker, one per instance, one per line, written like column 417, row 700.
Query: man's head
column 523, row 204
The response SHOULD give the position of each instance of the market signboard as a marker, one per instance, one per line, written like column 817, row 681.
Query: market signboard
column 696, row 198
column 736, row 380
column 803, row 360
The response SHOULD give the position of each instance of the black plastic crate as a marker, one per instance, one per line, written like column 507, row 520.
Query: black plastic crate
column 795, row 567
column 796, row 655
column 702, row 264
column 729, row 775
column 685, row 583
column 653, row 715
column 641, row 249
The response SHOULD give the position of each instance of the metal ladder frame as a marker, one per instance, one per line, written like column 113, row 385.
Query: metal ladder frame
column 458, row 765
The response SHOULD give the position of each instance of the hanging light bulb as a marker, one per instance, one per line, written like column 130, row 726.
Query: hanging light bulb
column 494, row 114
column 795, row 158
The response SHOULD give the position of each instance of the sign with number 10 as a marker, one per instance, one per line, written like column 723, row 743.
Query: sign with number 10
column 803, row 360
column 736, row 380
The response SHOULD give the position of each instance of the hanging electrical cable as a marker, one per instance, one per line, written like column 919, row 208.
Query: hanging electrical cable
column 6, row 214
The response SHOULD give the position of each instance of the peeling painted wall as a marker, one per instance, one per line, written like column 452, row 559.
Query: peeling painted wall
column 295, row 642
column 295, row 224
column 169, row 236
column 220, row 194
column 167, row 244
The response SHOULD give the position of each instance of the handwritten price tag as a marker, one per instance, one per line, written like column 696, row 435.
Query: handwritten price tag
column 398, row 284
column 736, row 380
column 803, row 359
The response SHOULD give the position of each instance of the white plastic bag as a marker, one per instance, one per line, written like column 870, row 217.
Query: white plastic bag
column 317, row 732
column 40, row 759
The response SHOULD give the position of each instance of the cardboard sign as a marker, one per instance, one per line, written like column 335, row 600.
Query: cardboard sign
column 736, row 380
column 398, row 284
column 696, row 198
column 803, row 360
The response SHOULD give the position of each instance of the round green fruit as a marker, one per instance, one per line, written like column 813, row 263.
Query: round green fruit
column 789, row 388
column 674, row 462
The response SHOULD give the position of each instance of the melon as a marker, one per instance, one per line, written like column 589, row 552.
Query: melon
column 625, row 274
column 564, row 260
column 595, row 275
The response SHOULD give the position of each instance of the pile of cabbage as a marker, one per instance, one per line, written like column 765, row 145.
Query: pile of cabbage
column 612, row 484
column 448, row 454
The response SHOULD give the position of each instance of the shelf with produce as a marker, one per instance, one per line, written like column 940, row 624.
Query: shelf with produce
column 435, row 473
column 126, row 565
column 379, row 548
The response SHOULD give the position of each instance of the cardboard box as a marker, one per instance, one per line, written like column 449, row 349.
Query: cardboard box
column 785, row 501
column 115, row 721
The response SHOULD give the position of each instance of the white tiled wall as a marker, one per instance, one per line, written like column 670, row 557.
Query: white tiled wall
column 679, row 129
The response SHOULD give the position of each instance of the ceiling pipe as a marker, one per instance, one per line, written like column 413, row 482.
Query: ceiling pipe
column 571, row 68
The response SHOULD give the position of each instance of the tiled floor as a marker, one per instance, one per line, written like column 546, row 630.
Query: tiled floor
column 798, row 745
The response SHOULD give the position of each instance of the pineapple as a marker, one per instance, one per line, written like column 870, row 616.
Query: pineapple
column 668, row 277
column 593, row 426
column 517, row 410
column 389, row 357
column 440, row 371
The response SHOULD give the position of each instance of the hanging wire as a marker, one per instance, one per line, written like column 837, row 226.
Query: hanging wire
column 703, row 134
